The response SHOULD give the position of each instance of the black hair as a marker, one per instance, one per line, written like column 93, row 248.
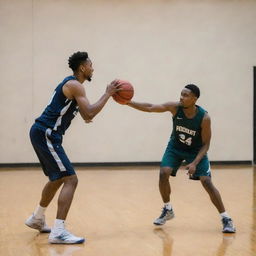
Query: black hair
column 194, row 89
column 76, row 59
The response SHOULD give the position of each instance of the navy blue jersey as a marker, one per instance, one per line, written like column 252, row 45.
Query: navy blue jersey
column 60, row 111
column 186, row 133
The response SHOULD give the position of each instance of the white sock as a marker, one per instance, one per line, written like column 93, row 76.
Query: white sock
column 168, row 206
column 59, row 224
column 224, row 215
column 39, row 212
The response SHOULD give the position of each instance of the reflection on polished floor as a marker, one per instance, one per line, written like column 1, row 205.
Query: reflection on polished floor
column 114, row 209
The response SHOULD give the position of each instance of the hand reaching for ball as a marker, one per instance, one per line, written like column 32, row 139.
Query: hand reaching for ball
column 125, row 92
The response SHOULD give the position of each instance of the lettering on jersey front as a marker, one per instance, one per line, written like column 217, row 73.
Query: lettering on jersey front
column 185, row 130
column 183, row 136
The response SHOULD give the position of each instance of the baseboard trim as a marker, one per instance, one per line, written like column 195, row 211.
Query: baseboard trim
column 117, row 164
column 245, row 162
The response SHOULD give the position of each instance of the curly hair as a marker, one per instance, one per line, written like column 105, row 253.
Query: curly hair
column 76, row 59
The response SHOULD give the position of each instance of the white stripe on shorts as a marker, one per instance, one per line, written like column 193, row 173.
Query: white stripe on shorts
column 53, row 152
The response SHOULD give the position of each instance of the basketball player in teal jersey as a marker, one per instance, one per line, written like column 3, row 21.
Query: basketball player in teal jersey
column 189, row 141
column 46, row 136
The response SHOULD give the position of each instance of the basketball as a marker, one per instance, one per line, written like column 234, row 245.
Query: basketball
column 125, row 95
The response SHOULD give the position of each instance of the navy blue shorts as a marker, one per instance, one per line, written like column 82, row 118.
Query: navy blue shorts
column 53, row 159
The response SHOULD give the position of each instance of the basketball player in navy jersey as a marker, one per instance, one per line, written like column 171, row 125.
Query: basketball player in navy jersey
column 46, row 135
column 189, row 141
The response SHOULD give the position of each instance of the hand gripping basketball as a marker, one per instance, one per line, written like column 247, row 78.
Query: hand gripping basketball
column 125, row 94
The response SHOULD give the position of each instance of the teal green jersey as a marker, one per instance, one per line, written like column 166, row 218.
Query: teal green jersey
column 186, row 133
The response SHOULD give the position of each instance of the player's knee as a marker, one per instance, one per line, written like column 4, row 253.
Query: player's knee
column 74, row 180
column 207, row 182
column 71, row 180
column 164, row 173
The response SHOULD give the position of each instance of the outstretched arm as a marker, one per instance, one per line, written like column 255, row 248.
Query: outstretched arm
column 148, row 107
column 75, row 90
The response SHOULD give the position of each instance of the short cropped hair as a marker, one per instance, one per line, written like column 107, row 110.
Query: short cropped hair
column 76, row 59
column 194, row 89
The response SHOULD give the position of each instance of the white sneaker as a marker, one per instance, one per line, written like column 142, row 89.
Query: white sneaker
column 38, row 224
column 64, row 237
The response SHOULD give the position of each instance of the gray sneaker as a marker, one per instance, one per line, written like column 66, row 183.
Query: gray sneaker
column 228, row 226
column 165, row 215
column 38, row 224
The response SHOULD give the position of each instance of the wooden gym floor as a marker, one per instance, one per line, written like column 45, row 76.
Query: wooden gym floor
column 114, row 209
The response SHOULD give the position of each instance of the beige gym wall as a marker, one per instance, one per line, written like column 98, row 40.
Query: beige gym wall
column 158, row 45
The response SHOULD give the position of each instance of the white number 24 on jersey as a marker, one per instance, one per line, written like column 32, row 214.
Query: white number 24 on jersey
column 183, row 139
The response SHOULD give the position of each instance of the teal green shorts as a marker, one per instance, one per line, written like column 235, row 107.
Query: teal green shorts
column 173, row 158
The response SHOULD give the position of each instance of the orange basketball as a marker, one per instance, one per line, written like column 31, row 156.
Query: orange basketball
column 125, row 95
